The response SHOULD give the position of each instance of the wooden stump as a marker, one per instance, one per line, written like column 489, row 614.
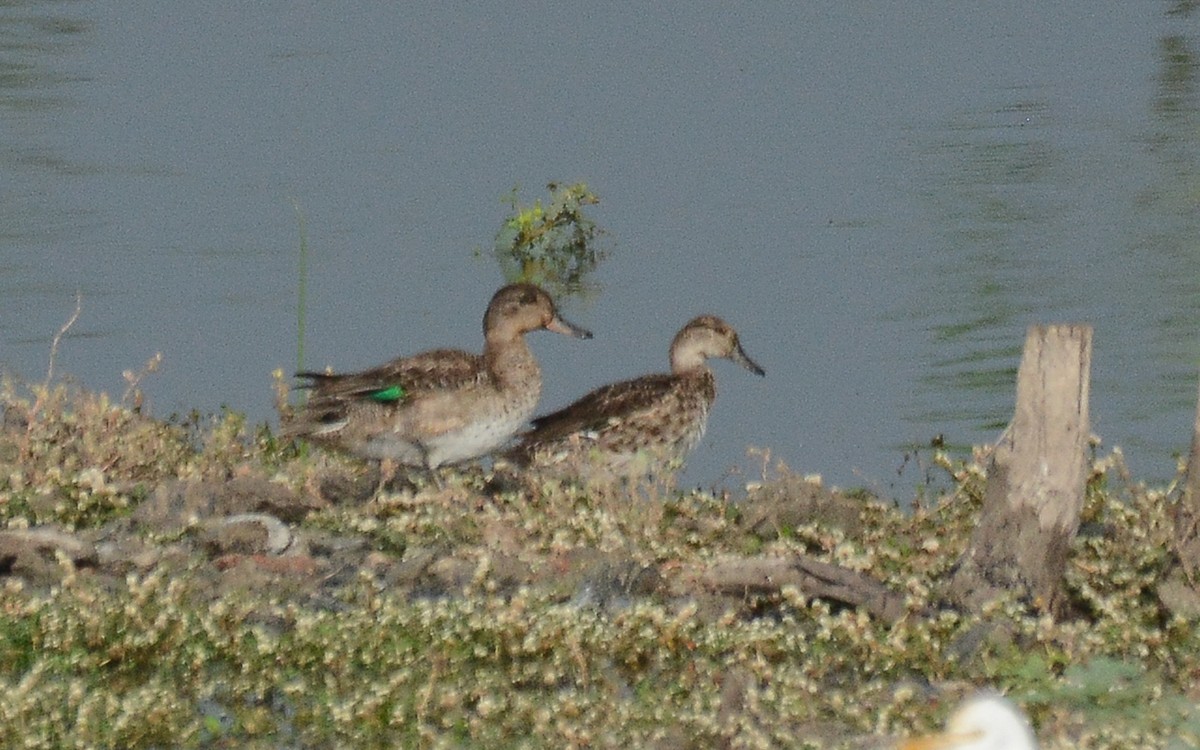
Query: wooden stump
column 1036, row 480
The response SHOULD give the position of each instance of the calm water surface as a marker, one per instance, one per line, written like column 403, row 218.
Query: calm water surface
column 879, row 197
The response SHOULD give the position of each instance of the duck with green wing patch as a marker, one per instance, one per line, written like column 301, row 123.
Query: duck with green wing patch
column 438, row 407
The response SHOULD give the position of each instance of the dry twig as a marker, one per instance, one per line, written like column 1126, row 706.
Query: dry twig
column 58, row 337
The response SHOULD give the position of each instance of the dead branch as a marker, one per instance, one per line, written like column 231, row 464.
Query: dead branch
column 769, row 575
column 58, row 337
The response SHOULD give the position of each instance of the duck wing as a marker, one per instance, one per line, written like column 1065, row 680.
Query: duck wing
column 399, row 381
column 604, row 407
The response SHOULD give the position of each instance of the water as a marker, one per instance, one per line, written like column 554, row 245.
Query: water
column 879, row 197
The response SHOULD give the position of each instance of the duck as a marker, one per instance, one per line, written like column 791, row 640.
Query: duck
column 638, row 428
column 439, row 407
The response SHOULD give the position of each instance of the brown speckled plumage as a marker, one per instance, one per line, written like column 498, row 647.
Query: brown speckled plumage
column 637, row 427
column 441, row 406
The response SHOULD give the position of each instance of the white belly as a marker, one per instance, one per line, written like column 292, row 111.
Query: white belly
column 476, row 439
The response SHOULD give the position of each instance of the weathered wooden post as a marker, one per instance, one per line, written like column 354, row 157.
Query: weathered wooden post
column 1037, row 477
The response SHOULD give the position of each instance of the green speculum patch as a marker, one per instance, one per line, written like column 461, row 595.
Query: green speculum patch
column 389, row 395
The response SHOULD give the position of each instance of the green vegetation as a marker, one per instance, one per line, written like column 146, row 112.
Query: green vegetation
column 555, row 245
column 301, row 285
column 546, row 617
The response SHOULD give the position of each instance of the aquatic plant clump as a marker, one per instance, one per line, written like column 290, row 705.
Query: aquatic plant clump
column 554, row 245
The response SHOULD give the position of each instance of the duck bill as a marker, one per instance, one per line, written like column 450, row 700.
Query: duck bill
column 739, row 355
column 558, row 325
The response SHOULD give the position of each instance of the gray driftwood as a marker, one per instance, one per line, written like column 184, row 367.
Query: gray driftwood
column 813, row 578
column 1036, row 479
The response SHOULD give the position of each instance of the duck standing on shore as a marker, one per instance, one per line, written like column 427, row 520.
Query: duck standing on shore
column 439, row 407
column 640, row 427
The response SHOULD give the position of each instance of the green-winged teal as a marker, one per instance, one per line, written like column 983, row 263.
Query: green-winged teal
column 438, row 407
column 638, row 427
